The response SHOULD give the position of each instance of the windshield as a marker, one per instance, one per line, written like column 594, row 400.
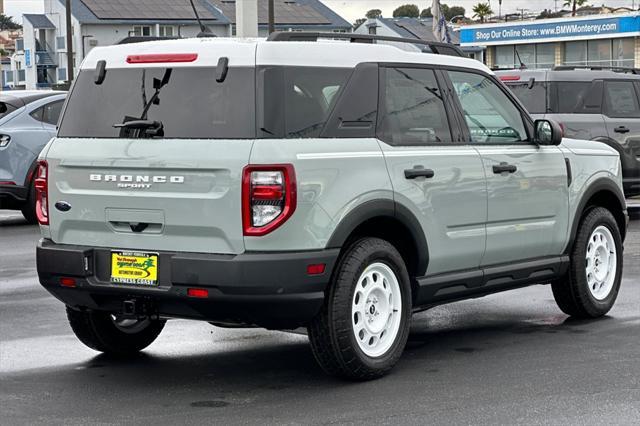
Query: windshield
column 182, row 102
column 534, row 98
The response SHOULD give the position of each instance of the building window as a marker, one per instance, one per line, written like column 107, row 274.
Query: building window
column 142, row 30
column 167, row 31
column 61, row 43
column 531, row 55
column 605, row 53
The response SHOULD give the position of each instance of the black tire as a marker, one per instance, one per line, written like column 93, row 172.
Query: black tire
column 29, row 208
column 97, row 330
column 331, row 332
column 572, row 293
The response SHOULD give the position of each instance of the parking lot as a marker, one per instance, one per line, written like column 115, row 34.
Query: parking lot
column 511, row 358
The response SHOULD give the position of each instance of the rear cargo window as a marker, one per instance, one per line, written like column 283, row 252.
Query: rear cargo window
column 534, row 98
column 295, row 102
column 191, row 105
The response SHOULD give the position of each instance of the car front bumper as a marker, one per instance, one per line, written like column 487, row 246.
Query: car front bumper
column 271, row 290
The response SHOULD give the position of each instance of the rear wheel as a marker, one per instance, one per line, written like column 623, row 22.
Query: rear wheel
column 364, row 325
column 591, row 286
column 111, row 334
column 29, row 208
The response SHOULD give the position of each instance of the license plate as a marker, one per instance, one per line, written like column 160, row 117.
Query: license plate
column 136, row 268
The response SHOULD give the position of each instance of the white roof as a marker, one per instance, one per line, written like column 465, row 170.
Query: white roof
column 251, row 52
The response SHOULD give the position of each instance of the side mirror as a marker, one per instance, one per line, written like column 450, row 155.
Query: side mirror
column 547, row 132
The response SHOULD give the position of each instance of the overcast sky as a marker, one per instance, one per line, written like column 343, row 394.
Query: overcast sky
column 353, row 9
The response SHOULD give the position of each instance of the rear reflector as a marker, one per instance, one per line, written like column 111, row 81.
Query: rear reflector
column 317, row 269
column 510, row 77
column 67, row 282
column 201, row 293
column 6, row 182
column 161, row 57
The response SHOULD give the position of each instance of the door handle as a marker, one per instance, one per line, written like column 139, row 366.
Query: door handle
column 504, row 168
column 621, row 129
column 418, row 171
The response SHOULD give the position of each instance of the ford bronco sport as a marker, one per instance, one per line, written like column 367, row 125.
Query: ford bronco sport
column 297, row 182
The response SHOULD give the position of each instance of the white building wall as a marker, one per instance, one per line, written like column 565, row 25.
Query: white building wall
column 31, row 71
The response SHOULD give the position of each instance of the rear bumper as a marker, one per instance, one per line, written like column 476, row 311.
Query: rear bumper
column 631, row 186
column 12, row 196
column 271, row 290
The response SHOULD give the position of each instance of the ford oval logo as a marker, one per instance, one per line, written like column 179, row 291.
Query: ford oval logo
column 63, row 206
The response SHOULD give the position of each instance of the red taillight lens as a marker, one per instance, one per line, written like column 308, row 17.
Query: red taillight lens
column 564, row 130
column 67, row 282
column 42, row 193
column 200, row 293
column 317, row 269
column 268, row 197
column 510, row 77
column 161, row 57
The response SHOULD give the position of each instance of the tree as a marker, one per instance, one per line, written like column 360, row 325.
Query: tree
column 453, row 11
column 6, row 23
column 426, row 13
column 374, row 13
column 482, row 10
column 574, row 5
column 407, row 11
column 359, row 22
column 547, row 14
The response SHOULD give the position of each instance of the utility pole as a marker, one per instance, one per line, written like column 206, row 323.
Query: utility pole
column 69, row 42
column 272, row 20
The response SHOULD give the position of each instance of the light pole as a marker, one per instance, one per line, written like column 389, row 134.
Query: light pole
column 69, row 42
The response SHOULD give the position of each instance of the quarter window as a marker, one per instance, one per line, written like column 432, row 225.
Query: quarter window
column 413, row 109
column 621, row 99
column 490, row 114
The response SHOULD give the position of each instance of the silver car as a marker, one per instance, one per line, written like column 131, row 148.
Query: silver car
column 28, row 120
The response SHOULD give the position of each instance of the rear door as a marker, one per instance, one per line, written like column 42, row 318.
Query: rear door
column 173, row 184
column 526, row 183
column 440, row 180
column 622, row 116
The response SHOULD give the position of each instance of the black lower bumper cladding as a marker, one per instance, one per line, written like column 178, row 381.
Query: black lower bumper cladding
column 272, row 290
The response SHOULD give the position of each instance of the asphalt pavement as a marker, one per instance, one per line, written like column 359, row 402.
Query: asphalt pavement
column 511, row 358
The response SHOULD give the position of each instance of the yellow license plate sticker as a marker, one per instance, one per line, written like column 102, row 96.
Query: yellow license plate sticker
column 134, row 268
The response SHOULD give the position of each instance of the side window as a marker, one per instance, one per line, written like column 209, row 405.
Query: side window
column 413, row 109
column 51, row 112
column 37, row 113
column 490, row 114
column 576, row 97
column 621, row 100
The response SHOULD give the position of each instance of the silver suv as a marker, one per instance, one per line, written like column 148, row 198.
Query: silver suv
column 295, row 182
column 590, row 103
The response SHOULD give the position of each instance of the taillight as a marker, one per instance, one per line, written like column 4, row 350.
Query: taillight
column 510, row 77
column 5, row 140
column 564, row 130
column 152, row 58
column 268, row 197
column 41, row 185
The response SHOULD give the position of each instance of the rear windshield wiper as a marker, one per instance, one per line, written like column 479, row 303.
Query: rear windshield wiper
column 149, row 128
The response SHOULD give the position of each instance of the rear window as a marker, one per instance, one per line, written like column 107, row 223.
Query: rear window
column 6, row 109
column 295, row 102
column 191, row 105
column 534, row 98
column 575, row 97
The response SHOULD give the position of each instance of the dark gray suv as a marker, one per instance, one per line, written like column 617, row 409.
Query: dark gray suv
column 589, row 103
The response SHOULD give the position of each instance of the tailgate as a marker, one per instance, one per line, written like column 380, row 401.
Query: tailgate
column 148, row 194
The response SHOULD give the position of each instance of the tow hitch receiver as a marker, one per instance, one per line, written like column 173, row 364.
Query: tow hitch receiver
column 134, row 308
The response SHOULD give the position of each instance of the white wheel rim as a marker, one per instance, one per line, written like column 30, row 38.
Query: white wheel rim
column 376, row 310
column 601, row 262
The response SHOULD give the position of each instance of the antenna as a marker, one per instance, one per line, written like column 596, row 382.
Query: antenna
column 523, row 66
column 204, row 31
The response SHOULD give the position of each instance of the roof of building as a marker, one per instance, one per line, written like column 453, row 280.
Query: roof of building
column 145, row 11
column 39, row 21
column 420, row 28
column 289, row 12
column 301, row 13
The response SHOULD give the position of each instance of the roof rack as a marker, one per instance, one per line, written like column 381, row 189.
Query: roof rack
column 435, row 47
column 595, row 68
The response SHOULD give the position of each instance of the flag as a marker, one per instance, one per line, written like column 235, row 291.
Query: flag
column 440, row 28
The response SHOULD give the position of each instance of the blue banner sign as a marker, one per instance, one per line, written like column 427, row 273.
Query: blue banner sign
column 27, row 57
column 570, row 28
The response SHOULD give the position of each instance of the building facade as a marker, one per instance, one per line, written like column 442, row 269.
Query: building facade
column 596, row 40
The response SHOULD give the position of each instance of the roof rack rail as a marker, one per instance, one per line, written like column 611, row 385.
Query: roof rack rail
column 435, row 47
column 142, row 39
column 595, row 68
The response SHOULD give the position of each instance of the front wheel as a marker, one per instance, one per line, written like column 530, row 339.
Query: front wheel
column 363, row 327
column 108, row 333
column 591, row 286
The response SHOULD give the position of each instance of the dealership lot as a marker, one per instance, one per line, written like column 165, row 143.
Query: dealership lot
column 508, row 358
